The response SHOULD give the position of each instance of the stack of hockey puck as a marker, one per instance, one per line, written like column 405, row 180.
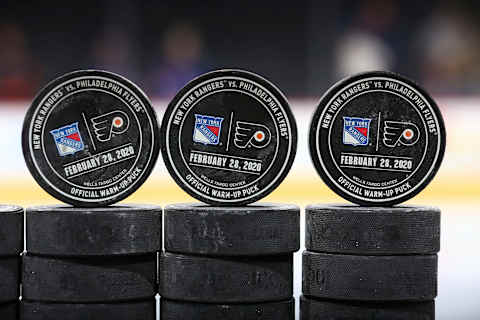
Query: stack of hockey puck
column 90, row 139
column 228, row 139
column 92, row 263
column 11, row 246
column 366, row 262
column 228, row 262
column 377, row 139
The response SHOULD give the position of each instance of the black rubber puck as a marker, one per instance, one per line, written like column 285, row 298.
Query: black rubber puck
column 370, row 278
column 83, row 280
column 174, row 310
column 229, row 137
column 11, row 230
column 262, row 229
column 9, row 279
column 90, row 138
column 226, row 280
column 114, row 230
column 377, row 138
column 313, row 309
column 9, row 311
column 139, row 310
column 372, row 230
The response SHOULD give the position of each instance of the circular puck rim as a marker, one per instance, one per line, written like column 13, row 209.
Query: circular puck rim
column 258, row 206
column 312, row 138
column 11, row 209
column 119, row 208
column 38, row 175
column 287, row 165
column 355, row 208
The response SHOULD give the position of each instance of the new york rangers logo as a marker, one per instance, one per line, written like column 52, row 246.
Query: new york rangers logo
column 207, row 129
column 68, row 139
column 355, row 131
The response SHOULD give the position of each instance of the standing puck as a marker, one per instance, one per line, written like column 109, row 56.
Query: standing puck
column 313, row 309
column 350, row 229
column 263, row 229
column 229, row 137
column 88, row 280
column 113, row 230
column 370, row 278
column 11, row 230
column 377, row 138
column 9, row 279
column 174, row 310
column 136, row 310
column 226, row 280
column 90, row 138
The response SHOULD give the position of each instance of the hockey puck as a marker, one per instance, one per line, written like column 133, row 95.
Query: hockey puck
column 312, row 309
column 86, row 280
column 144, row 310
column 9, row 311
column 229, row 137
column 262, row 229
column 11, row 230
column 226, row 280
column 377, row 138
column 90, row 138
column 9, row 279
column 370, row 278
column 114, row 230
column 351, row 229
column 174, row 310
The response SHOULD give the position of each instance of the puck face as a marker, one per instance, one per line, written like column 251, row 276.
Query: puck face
column 229, row 137
column 377, row 138
column 90, row 138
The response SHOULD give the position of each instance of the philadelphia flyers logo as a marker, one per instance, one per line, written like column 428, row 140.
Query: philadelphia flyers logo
column 115, row 122
column 397, row 133
column 251, row 134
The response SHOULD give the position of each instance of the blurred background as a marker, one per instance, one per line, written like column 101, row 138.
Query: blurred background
column 303, row 47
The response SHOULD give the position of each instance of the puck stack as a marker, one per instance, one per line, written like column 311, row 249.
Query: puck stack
column 377, row 139
column 90, row 139
column 370, row 262
column 228, row 139
column 228, row 262
column 11, row 246
column 91, row 263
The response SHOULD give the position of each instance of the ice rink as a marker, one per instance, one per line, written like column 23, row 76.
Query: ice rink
column 455, row 190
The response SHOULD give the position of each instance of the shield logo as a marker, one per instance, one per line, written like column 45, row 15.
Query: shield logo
column 207, row 129
column 356, row 131
column 68, row 139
